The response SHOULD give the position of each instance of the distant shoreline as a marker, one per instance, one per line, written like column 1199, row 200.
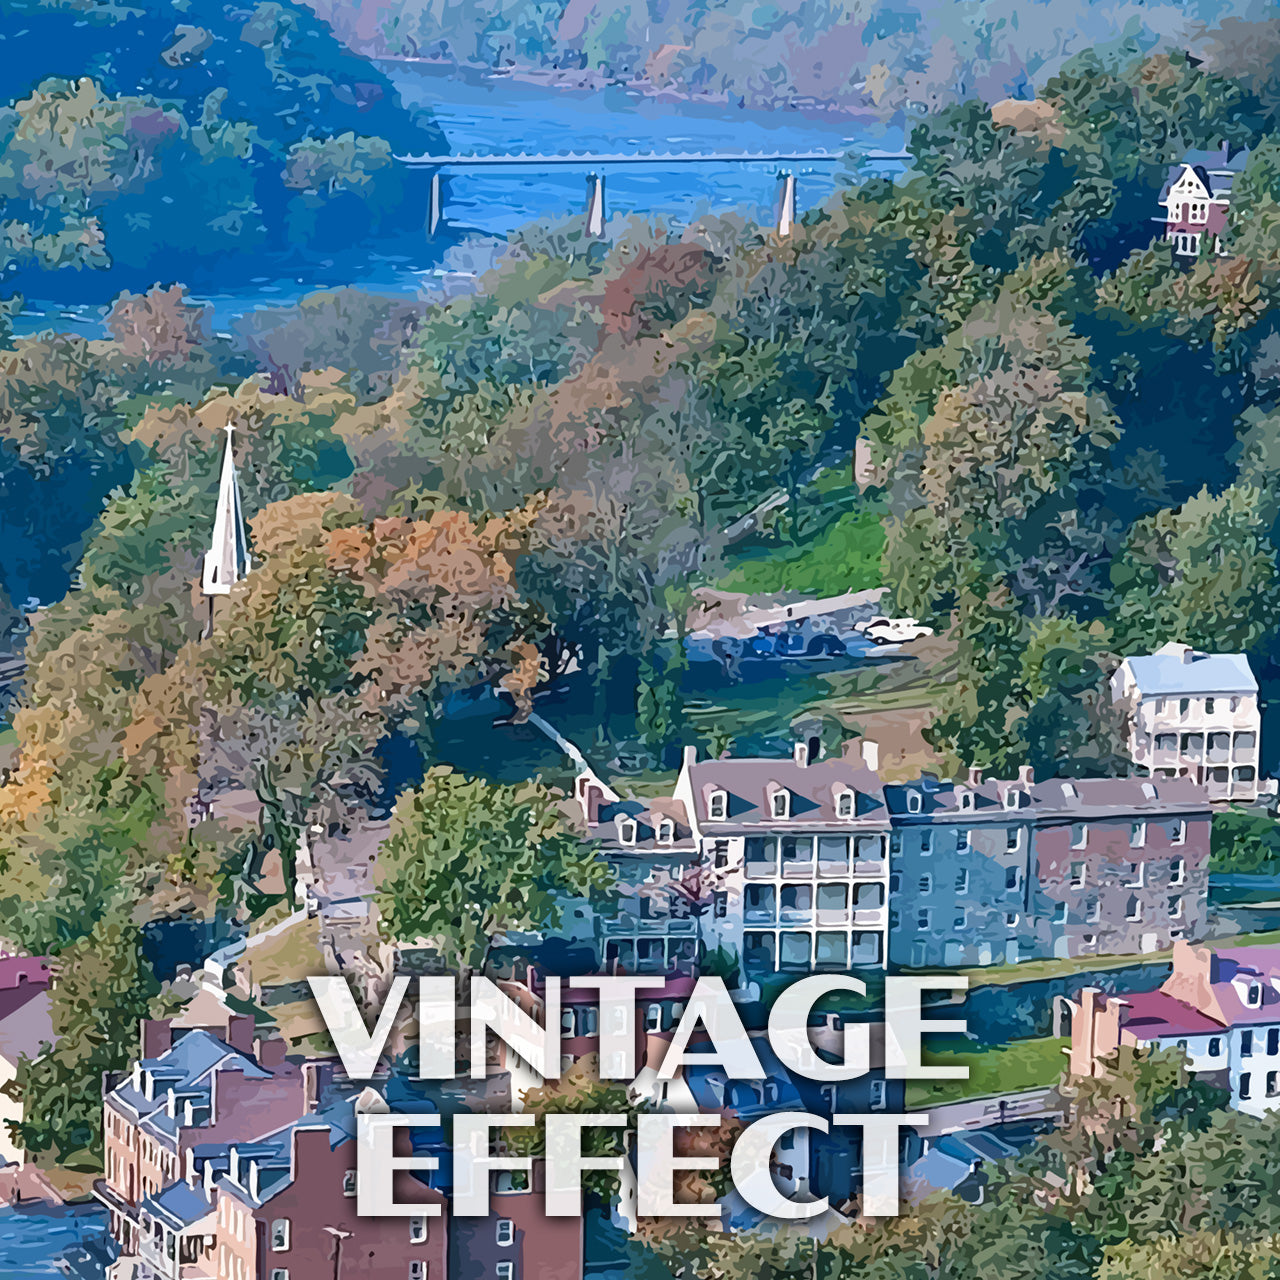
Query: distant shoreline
column 585, row 80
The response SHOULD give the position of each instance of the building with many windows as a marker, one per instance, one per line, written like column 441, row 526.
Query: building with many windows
column 1220, row 1007
column 1193, row 715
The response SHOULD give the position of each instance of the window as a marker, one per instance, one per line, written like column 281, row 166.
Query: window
column 1242, row 773
column 1177, row 871
column 895, row 842
column 780, row 804
column 1273, row 1041
column 1175, row 908
column 278, row 1273
column 1013, row 839
column 1178, row 831
column 666, row 831
column 966, row 799
column 1245, row 1082
column 505, row 1270
column 627, row 831
column 913, row 802
column 1133, row 908
column 506, row 1231
column 1246, row 1044
column 1137, row 835
column 1060, row 913
column 1215, row 1047
column 1077, row 875
column 1137, row 875
column 926, row 884
column 1184, row 705
column 1011, row 919
column 844, row 804
column 1208, row 706
column 1254, row 996
column 926, row 842
column 417, row 1271
column 962, row 840
column 923, row 918
column 1273, row 1083
column 720, row 904
column 1079, row 835
column 718, row 806
column 653, row 1018
column 876, row 1099
column 280, row 1235
column 1013, row 878
column 417, row 1230
column 962, row 919
column 349, row 1183
column 720, row 851
column 962, row 882
column 1166, row 742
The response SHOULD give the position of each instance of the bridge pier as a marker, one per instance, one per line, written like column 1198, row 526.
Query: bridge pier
column 595, row 205
column 786, row 203
column 435, row 204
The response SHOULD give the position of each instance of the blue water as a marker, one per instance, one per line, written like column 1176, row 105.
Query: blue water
column 504, row 117
column 32, row 1241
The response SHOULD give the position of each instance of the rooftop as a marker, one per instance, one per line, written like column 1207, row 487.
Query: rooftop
column 1178, row 669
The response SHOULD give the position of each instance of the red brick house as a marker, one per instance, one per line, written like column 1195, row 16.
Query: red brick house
column 1196, row 198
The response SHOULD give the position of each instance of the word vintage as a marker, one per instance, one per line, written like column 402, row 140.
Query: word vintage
column 709, row 1032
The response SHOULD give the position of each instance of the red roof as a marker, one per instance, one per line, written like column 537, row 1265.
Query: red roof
column 1152, row 1015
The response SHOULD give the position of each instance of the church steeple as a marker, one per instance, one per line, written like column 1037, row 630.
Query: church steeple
column 227, row 560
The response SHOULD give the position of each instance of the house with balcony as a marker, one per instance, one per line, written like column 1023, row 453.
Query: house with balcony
column 797, row 850
column 1195, row 715
column 1219, row 1006
column 1196, row 200
column 987, row 871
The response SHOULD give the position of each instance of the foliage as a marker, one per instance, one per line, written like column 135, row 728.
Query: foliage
column 468, row 860
column 1244, row 841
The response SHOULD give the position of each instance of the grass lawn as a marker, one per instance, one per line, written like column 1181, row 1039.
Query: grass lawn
column 1024, row 1064
column 845, row 556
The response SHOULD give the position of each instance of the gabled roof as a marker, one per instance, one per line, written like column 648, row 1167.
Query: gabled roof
column 1178, row 669
column 813, row 789
column 1155, row 1015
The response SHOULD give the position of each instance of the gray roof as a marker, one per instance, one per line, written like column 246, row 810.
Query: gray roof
column 813, row 791
column 1206, row 673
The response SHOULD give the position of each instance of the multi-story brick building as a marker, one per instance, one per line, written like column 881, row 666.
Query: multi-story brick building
column 285, row 1209
column 1193, row 715
column 989, row 872
column 189, row 1088
column 1221, row 1007
column 1196, row 198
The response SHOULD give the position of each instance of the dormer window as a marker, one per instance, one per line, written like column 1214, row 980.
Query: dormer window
column 718, row 806
column 1149, row 790
column 964, row 799
column 1253, row 995
column 666, row 831
column 844, row 804
column 627, row 830
column 913, row 802
column 1016, row 798
column 780, row 804
column 1069, row 791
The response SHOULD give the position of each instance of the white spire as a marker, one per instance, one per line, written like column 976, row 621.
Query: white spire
column 227, row 560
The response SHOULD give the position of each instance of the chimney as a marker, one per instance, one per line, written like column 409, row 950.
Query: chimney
column 1188, row 655
column 689, row 757
column 191, row 1168
column 240, row 1029
column 270, row 1051
column 975, row 776
column 1026, row 775
column 208, row 1177
column 156, row 1037
column 310, row 1087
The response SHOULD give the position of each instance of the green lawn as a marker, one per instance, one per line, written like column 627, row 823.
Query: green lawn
column 1024, row 1064
column 845, row 556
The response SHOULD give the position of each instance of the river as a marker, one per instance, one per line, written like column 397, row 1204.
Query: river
column 502, row 117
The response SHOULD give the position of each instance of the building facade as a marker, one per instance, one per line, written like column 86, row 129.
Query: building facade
column 1220, row 1007
column 1193, row 715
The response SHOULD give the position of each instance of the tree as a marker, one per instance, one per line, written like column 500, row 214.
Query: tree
column 469, row 860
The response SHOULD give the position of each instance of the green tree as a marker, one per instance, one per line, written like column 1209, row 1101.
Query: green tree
column 468, row 860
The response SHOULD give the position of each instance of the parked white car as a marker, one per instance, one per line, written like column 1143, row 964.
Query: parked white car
column 895, row 630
